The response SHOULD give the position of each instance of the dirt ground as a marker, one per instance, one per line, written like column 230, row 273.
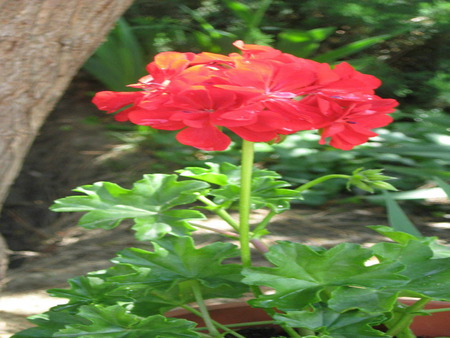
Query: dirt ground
column 75, row 147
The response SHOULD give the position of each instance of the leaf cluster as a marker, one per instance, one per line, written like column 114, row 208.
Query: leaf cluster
column 330, row 292
column 345, row 291
column 130, row 298
column 161, row 204
column 151, row 204
column 337, row 292
column 268, row 191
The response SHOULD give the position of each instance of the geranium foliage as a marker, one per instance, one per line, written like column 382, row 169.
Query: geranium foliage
column 150, row 203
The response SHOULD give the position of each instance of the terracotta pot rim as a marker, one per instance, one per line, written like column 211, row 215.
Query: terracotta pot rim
column 435, row 325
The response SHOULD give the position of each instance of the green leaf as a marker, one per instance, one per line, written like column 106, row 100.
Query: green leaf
column 351, row 48
column 397, row 218
column 149, row 283
column 364, row 299
column 148, row 203
column 439, row 250
column 176, row 259
column 419, row 150
column 369, row 179
column 397, row 236
column 412, row 194
column 428, row 273
column 84, row 290
column 49, row 323
column 430, row 278
column 114, row 321
column 240, row 10
column 304, row 275
column 443, row 185
column 420, row 172
column 267, row 190
column 302, row 43
column 120, row 60
column 335, row 324
column 166, row 273
column 121, row 283
column 219, row 174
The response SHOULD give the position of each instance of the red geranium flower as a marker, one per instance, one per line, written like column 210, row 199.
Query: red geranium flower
column 348, row 120
column 114, row 101
column 201, row 111
column 259, row 95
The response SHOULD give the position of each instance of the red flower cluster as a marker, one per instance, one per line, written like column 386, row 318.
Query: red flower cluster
column 259, row 95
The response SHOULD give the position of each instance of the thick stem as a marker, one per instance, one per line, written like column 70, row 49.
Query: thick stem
column 203, row 309
column 292, row 333
column 244, row 202
column 406, row 317
column 223, row 327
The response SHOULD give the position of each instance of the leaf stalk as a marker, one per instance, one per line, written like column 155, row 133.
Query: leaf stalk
column 203, row 308
column 319, row 180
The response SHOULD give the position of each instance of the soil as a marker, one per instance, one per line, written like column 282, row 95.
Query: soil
column 259, row 333
column 77, row 146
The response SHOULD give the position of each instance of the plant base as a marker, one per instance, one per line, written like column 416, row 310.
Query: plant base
column 436, row 325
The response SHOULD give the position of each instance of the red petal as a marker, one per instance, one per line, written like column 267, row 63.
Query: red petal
column 112, row 101
column 254, row 136
column 154, row 119
column 209, row 138
column 257, row 51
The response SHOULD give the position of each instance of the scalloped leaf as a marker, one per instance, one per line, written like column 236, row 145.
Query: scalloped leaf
column 335, row 324
column 49, row 323
column 304, row 275
column 428, row 274
column 155, row 282
column 219, row 174
column 149, row 203
column 267, row 190
column 115, row 322
column 176, row 259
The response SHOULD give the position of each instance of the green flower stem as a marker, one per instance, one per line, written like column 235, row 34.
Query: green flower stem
column 406, row 317
column 322, row 179
column 260, row 323
column 203, row 309
column 264, row 222
column 220, row 326
column 437, row 310
column 291, row 332
column 244, row 202
column 219, row 211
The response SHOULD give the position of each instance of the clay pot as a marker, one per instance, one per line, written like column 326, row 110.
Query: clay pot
column 436, row 325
